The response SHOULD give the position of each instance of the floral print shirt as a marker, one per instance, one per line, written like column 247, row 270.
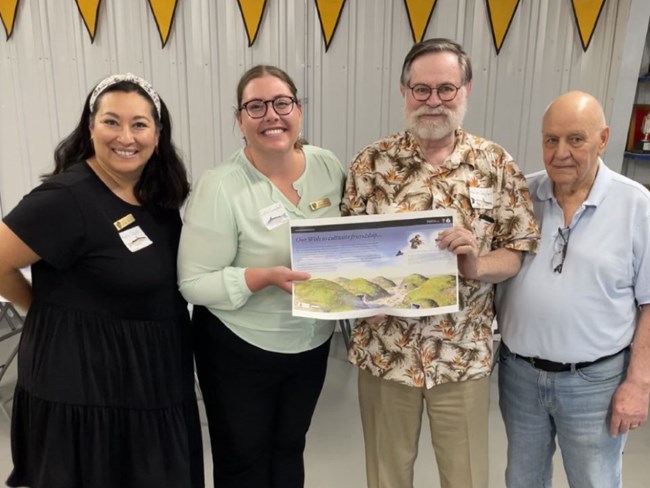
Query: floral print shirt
column 392, row 176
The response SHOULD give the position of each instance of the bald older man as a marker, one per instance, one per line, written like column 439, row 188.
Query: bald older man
column 575, row 322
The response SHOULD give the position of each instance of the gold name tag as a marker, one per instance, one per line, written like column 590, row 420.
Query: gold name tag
column 124, row 221
column 325, row 202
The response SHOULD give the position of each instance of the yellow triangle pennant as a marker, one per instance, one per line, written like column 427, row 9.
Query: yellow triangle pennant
column 251, row 13
column 587, row 13
column 419, row 13
column 8, row 15
column 329, row 14
column 89, row 9
column 501, row 13
column 163, row 11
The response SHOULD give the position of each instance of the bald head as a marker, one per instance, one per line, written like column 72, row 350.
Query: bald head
column 578, row 105
column 575, row 135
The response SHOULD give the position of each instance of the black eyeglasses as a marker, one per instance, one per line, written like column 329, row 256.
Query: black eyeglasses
column 257, row 108
column 446, row 92
column 561, row 246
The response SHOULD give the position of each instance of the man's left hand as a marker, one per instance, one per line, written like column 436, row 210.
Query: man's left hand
column 629, row 408
column 463, row 244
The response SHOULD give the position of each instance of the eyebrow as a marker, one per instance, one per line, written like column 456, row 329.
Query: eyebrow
column 434, row 85
column 113, row 114
column 259, row 99
column 570, row 134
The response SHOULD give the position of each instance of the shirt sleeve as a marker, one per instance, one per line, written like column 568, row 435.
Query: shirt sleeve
column 641, row 251
column 50, row 222
column 516, row 225
column 208, row 246
column 358, row 185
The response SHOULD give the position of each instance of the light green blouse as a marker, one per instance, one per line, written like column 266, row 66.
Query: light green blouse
column 227, row 229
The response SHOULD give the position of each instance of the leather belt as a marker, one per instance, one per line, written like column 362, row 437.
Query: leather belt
column 553, row 367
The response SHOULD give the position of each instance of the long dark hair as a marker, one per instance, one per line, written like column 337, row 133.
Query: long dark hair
column 163, row 182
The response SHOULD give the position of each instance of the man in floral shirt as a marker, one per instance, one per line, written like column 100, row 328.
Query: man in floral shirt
column 442, row 361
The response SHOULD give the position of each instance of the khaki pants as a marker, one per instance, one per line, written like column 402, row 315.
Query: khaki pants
column 391, row 414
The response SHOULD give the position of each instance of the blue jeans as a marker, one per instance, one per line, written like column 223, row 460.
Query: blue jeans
column 574, row 405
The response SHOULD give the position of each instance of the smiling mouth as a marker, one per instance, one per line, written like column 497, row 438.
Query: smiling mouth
column 273, row 132
column 124, row 153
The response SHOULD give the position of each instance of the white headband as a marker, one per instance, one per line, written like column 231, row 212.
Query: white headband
column 112, row 80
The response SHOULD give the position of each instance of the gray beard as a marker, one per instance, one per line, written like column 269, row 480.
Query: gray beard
column 431, row 130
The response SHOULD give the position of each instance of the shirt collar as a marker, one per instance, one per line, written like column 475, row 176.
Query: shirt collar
column 601, row 185
column 411, row 144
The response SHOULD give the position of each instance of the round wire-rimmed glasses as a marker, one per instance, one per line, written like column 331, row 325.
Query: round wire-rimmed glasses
column 256, row 108
column 446, row 92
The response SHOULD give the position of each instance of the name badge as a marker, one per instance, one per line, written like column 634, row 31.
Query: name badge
column 324, row 202
column 124, row 222
column 481, row 197
column 135, row 239
column 274, row 216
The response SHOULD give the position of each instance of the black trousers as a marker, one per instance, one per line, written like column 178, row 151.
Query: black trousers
column 259, row 406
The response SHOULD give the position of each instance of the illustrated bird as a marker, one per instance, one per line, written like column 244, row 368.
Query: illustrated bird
column 416, row 241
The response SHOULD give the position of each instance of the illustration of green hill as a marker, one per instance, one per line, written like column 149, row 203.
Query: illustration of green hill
column 327, row 295
column 436, row 291
column 362, row 286
column 413, row 281
column 385, row 283
column 341, row 280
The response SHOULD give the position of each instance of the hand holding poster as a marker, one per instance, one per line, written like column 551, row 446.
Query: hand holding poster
column 375, row 264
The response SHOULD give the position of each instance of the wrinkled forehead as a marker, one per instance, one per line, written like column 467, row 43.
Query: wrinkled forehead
column 574, row 114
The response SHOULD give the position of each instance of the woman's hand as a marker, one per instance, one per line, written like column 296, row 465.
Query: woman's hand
column 280, row 276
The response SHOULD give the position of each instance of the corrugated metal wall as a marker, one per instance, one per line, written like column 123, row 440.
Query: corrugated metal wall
column 352, row 91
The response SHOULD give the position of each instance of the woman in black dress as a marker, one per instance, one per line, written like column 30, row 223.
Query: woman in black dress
column 105, row 393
